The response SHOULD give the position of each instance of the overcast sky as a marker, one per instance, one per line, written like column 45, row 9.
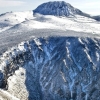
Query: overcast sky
column 88, row 6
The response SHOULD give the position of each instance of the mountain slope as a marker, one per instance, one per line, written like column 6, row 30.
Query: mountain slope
column 70, row 19
column 55, row 68
column 96, row 18
column 61, row 8
column 51, row 53
column 78, row 23
column 58, row 8
column 9, row 19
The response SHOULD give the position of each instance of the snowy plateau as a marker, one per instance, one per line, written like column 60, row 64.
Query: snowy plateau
column 50, row 53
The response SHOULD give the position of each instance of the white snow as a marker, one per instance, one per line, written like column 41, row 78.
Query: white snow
column 63, row 77
column 5, row 28
column 37, row 41
column 18, row 80
column 98, row 56
column 4, row 95
column 32, row 24
column 16, row 17
column 21, row 46
column 26, row 21
column 65, row 62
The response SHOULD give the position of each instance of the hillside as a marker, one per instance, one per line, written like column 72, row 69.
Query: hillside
column 50, row 53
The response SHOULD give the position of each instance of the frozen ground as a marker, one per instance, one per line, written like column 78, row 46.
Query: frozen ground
column 12, row 38
column 16, row 27
column 77, row 23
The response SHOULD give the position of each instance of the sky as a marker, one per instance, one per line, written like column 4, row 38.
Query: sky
column 89, row 6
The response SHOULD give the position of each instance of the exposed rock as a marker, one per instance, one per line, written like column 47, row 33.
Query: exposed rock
column 61, row 8
column 59, row 68
column 58, row 8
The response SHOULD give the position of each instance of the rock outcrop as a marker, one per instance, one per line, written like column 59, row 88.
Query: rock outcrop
column 55, row 68
column 59, row 8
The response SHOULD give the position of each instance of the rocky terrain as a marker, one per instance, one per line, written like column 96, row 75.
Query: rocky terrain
column 49, row 56
column 55, row 68
column 61, row 8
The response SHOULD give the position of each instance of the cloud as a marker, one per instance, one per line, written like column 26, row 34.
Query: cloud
column 11, row 3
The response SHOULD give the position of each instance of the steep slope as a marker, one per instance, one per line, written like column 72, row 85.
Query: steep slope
column 62, row 63
column 58, row 8
column 56, row 68
column 61, row 8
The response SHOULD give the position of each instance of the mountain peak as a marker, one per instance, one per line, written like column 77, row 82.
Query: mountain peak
column 56, row 8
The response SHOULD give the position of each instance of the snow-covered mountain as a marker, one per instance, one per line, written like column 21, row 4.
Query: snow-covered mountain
column 9, row 19
column 61, row 8
column 50, row 53
column 53, row 68
column 51, row 15
column 58, row 8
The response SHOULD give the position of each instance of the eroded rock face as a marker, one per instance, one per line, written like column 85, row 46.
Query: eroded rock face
column 55, row 68
column 59, row 8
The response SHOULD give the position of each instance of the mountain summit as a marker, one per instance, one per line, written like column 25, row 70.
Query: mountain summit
column 58, row 8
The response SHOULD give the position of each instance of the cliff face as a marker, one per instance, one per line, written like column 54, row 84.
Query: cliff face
column 59, row 68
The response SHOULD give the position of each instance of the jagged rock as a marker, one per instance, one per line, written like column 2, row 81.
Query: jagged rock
column 56, row 68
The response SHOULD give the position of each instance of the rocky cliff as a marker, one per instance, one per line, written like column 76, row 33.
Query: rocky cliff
column 54, row 68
